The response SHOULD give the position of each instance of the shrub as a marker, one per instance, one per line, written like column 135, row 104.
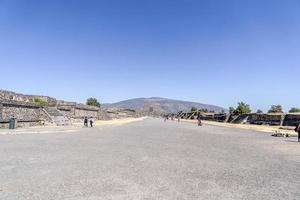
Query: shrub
column 294, row 110
column 231, row 110
column 93, row 102
column 39, row 101
column 242, row 108
column 204, row 110
column 275, row 109
column 259, row 111
column 194, row 109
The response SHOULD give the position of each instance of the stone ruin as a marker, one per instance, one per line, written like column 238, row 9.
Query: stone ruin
column 117, row 113
column 276, row 119
column 56, row 112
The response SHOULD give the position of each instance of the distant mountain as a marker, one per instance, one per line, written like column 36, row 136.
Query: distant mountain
column 161, row 105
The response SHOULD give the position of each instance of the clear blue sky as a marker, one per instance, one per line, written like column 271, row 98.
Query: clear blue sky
column 217, row 52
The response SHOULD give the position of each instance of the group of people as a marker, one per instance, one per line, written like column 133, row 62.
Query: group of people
column 178, row 119
column 86, row 122
column 172, row 118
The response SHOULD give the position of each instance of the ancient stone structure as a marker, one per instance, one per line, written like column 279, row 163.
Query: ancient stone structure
column 25, row 112
column 23, row 108
column 16, row 97
column 57, row 112
column 278, row 119
column 291, row 119
column 117, row 113
column 74, row 110
column 265, row 119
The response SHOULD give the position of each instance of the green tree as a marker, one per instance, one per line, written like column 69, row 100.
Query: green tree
column 93, row 102
column 259, row 111
column 276, row 109
column 294, row 110
column 231, row 110
column 242, row 108
column 204, row 110
column 194, row 109
column 39, row 101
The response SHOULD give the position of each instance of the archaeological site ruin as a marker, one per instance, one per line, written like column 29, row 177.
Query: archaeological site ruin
column 50, row 111
column 276, row 119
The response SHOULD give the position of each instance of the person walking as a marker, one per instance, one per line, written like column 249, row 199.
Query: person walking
column 199, row 120
column 85, row 121
column 166, row 118
column 297, row 129
column 91, row 122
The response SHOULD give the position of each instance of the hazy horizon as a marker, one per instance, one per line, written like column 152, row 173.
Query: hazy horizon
column 211, row 52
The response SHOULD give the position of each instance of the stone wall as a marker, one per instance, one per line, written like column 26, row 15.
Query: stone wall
column 22, row 107
column 103, row 115
column 23, row 112
column 1, row 111
column 291, row 119
column 259, row 119
column 279, row 119
column 27, row 114
column 117, row 113
column 265, row 119
column 77, row 111
column 44, row 117
column 219, row 117
column 67, row 108
column 68, row 113
column 81, row 113
column 12, row 96
column 252, row 118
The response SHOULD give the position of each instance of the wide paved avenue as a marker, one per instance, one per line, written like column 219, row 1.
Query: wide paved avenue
column 149, row 159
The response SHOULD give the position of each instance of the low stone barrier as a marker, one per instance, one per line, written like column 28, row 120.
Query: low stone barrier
column 265, row 119
column 219, row 117
column 291, row 119
column 74, row 110
column 82, row 111
column 276, row 119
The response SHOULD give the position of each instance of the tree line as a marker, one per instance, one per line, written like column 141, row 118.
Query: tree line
column 244, row 108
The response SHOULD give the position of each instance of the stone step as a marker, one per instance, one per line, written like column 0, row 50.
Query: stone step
column 57, row 117
column 52, row 111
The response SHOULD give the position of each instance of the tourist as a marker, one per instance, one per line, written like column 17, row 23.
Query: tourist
column 199, row 120
column 85, row 121
column 297, row 129
column 299, row 132
column 91, row 122
column 166, row 118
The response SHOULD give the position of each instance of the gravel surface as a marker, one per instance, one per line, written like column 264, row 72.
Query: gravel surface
column 149, row 159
